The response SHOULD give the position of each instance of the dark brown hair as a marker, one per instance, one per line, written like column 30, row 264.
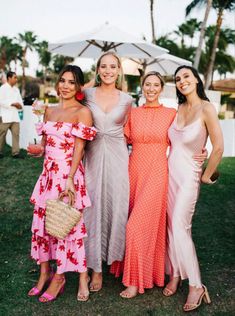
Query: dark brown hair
column 200, row 89
column 77, row 74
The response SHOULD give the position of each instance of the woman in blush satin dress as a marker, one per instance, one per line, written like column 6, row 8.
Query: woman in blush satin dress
column 106, row 165
column 146, row 130
column 195, row 120
column 65, row 129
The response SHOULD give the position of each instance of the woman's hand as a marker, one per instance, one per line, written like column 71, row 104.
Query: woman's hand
column 201, row 157
column 207, row 180
column 70, row 186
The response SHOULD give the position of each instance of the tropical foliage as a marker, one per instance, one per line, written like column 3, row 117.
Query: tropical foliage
column 210, row 54
column 182, row 43
column 220, row 6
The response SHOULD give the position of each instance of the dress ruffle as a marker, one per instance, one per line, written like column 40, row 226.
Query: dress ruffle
column 69, row 253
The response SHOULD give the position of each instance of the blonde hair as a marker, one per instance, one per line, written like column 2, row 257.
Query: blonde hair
column 120, row 80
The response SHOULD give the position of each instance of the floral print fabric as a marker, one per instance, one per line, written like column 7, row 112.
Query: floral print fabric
column 60, row 138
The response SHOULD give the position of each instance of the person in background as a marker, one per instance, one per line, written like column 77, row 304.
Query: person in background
column 10, row 102
column 106, row 167
column 65, row 130
column 195, row 120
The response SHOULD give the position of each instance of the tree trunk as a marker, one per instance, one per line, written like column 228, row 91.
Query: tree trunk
column 202, row 33
column 152, row 21
column 213, row 52
column 23, row 73
column 3, row 60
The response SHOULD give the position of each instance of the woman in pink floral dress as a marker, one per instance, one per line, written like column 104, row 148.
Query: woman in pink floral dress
column 65, row 130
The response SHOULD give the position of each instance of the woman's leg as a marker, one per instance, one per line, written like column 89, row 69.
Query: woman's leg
column 45, row 274
column 96, row 281
column 56, row 286
column 83, row 291
column 185, row 253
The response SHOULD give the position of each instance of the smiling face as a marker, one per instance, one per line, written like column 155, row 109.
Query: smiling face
column 152, row 88
column 67, row 86
column 185, row 81
column 108, row 69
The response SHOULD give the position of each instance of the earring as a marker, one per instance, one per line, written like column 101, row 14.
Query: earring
column 97, row 79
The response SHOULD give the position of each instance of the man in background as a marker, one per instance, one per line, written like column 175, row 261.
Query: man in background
column 10, row 102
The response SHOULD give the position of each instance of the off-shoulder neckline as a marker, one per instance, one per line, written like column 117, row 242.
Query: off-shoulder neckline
column 63, row 122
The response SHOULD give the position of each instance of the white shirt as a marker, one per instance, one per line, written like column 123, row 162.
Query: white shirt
column 9, row 95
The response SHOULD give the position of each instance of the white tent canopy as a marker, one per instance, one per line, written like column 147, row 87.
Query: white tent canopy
column 106, row 38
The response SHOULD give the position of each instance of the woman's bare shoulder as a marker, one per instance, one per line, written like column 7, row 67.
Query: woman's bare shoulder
column 208, row 107
column 83, row 114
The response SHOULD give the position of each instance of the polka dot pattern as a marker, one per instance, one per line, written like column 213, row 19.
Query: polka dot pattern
column 146, row 130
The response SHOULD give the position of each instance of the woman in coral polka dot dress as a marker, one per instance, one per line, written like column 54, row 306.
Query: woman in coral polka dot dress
column 146, row 130
column 65, row 130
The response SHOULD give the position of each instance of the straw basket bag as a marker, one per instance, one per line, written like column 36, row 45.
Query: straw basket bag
column 61, row 217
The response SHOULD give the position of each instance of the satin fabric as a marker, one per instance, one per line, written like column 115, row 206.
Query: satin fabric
column 107, row 180
column 183, row 190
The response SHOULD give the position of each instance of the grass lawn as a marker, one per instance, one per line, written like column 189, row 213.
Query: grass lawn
column 213, row 232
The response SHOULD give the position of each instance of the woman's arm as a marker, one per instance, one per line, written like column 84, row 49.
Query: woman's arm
column 43, row 139
column 216, row 137
column 85, row 118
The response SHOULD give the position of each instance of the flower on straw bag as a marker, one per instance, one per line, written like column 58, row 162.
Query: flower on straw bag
column 60, row 216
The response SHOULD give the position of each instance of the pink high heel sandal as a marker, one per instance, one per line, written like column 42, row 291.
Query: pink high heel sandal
column 45, row 297
column 35, row 291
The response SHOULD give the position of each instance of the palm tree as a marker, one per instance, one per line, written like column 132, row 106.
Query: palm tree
column 5, row 48
column 60, row 61
column 223, row 62
column 44, row 57
column 220, row 6
column 29, row 41
column 16, row 54
column 190, row 27
column 171, row 45
column 187, row 28
column 9, row 51
column 152, row 21
column 189, row 8
column 178, row 50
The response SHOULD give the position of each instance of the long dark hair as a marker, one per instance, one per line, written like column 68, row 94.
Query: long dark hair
column 200, row 89
column 77, row 74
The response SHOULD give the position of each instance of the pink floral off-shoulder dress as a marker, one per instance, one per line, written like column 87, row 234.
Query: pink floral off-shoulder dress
column 69, row 253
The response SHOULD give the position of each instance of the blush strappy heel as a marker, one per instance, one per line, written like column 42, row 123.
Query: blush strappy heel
column 84, row 297
column 192, row 306
column 168, row 292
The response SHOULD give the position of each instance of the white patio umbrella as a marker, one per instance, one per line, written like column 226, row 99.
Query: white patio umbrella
column 166, row 64
column 131, row 67
column 106, row 38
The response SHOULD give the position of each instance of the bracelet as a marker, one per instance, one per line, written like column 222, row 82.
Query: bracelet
column 69, row 176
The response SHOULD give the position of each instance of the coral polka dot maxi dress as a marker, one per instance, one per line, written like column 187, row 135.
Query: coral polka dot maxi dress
column 69, row 253
column 146, row 130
